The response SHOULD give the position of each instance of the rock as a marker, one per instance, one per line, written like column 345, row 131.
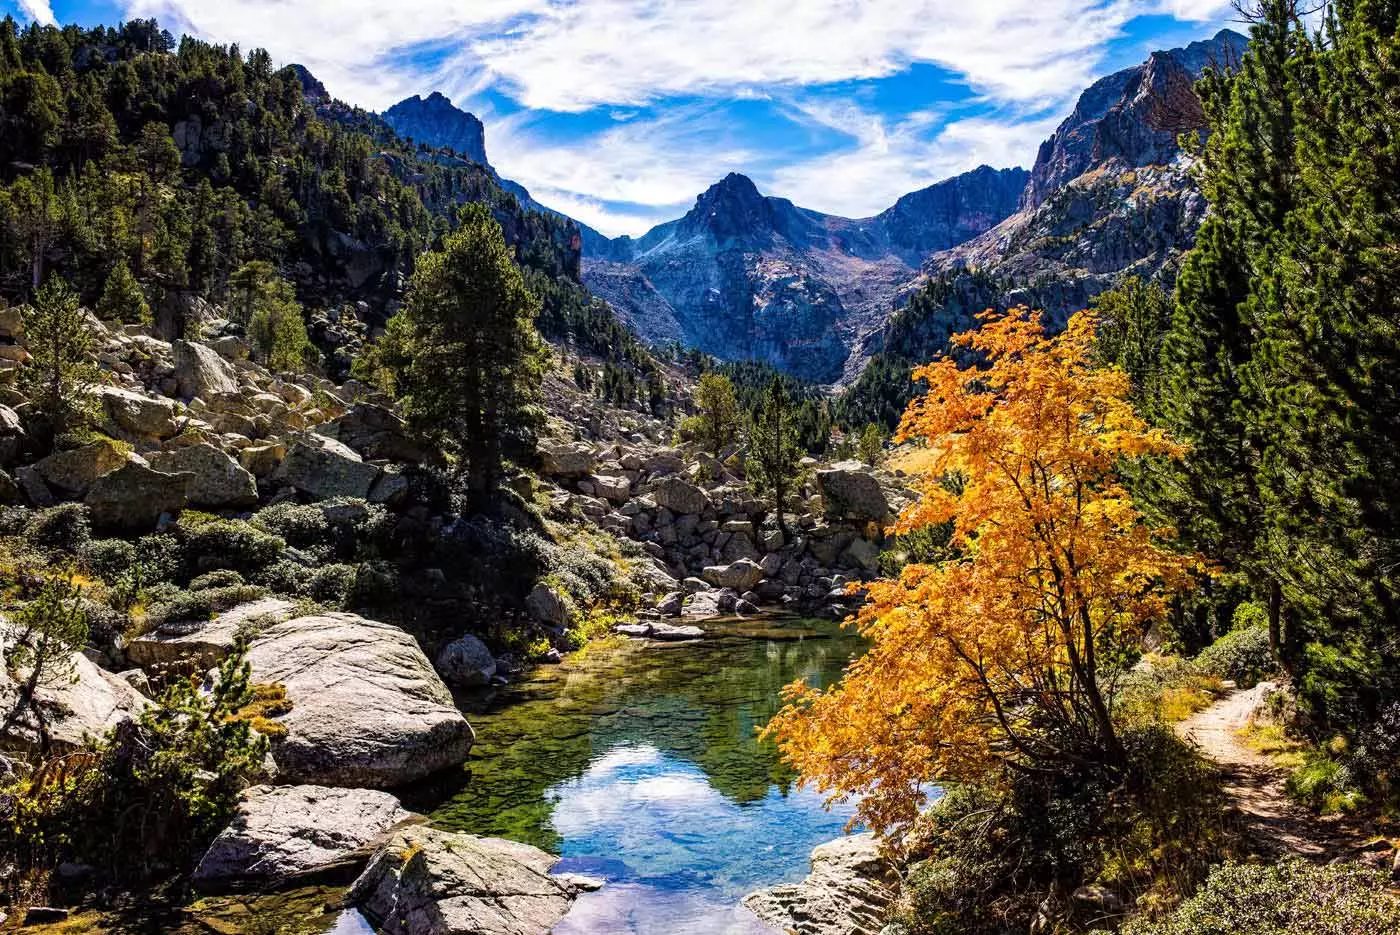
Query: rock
column 262, row 460
column 376, row 433
column 139, row 415
column 670, row 605
column 75, row 471
column 570, row 460
column 218, row 481
column 679, row 497
column 199, row 371
column 850, row 491
column 848, row 892
column 429, row 882
column 368, row 709
column 547, row 605
column 1097, row 901
column 231, row 348
column 86, row 703
column 134, row 497
column 614, row 489
column 862, row 553
column 466, row 662
column 289, row 833
column 206, row 642
column 32, row 486
column 12, row 436
column 11, row 322
column 745, row 607
column 672, row 634
column 324, row 468
column 45, row 915
column 634, row 630
column 390, row 488
column 743, row 575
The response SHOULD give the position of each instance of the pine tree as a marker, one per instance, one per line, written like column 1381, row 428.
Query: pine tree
column 122, row 299
column 719, row 415
column 61, row 369
column 48, row 631
column 775, row 458
column 871, row 445
column 464, row 354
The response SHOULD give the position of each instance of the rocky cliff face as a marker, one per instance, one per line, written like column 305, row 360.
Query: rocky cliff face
column 744, row 276
column 435, row 121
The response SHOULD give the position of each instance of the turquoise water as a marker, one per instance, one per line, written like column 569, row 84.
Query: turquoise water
column 640, row 763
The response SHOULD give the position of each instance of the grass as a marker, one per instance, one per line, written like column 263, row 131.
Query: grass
column 269, row 701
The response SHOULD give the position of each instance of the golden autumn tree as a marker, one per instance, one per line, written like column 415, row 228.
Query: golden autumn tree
column 997, row 657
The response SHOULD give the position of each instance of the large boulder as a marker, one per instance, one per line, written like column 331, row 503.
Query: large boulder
column 367, row 708
column 75, row 471
column 200, row 371
column 86, row 701
column 292, row 833
column 547, row 605
column 743, row 575
column 205, row 642
column 573, row 459
column 324, row 468
column 136, row 414
column 679, row 497
column 218, row 481
column 429, row 882
column 466, row 662
column 134, row 497
column 848, row 892
column 850, row 491
column 376, row 432
column 12, row 436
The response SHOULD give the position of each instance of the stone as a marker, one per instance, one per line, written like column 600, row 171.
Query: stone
column 11, row 322
column 231, row 348
column 138, row 415
column 218, row 481
column 743, row 575
column 547, row 605
column 614, row 489
column 391, row 488
column 324, row 468
column 286, row 834
column 376, row 433
column 200, row 371
column 75, row 471
column 850, row 491
column 1096, row 901
column 32, row 486
column 367, row 708
column 134, row 497
column 262, row 460
column 574, row 459
column 45, row 915
column 671, row 633
column 671, row 604
column 666, row 461
column 466, row 662
column 87, row 703
column 745, row 607
column 862, row 553
column 205, row 642
column 848, row 892
column 424, row 881
column 680, row 497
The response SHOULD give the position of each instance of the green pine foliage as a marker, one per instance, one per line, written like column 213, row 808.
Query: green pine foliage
column 60, row 370
column 774, row 465
column 122, row 299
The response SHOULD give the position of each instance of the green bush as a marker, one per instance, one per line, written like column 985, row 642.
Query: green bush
column 332, row 585
column 223, row 578
column 108, row 559
column 1325, row 784
column 1242, row 655
column 63, row 528
column 202, row 605
column 1288, row 898
column 302, row 526
column 228, row 543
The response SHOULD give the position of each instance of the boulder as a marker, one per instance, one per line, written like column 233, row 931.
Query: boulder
column 376, row 433
column 547, row 605
column 218, row 481
column 292, row 833
column 12, row 436
column 324, row 468
column 134, row 497
column 11, row 322
column 574, row 459
column 206, row 642
column 262, row 460
column 614, row 489
column 424, row 881
column 75, row 471
column 743, row 575
column 848, row 892
column 679, row 497
column 200, row 371
column 86, row 702
column 466, row 662
column 863, row 554
column 368, row 709
column 850, row 491
column 138, row 415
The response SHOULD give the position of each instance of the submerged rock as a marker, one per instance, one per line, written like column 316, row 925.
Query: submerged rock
column 429, row 882
column 848, row 892
column 285, row 833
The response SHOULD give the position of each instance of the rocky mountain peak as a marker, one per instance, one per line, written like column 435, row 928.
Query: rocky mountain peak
column 311, row 87
column 730, row 210
column 435, row 120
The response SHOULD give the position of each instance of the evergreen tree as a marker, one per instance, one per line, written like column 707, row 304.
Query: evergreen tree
column 49, row 630
column 122, row 299
column 464, row 355
column 775, row 458
column 1134, row 318
column 871, row 446
column 61, row 369
column 718, row 420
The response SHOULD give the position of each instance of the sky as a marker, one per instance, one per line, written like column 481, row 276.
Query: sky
column 619, row 112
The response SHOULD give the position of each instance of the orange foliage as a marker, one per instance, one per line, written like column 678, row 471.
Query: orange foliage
column 994, row 657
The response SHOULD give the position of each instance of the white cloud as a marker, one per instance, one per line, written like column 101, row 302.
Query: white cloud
column 1196, row 11
column 39, row 11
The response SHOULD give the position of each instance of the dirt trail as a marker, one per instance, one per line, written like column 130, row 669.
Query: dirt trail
column 1257, row 788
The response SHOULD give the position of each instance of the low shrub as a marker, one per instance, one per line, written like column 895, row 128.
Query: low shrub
column 223, row 578
column 202, row 605
column 1162, row 690
column 62, row 528
column 332, row 585
column 1288, row 898
column 1326, row 783
column 228, row 543
column 1242, row 655
column 108, row 559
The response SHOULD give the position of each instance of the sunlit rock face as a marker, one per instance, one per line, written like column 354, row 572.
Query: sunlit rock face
column 435, row 121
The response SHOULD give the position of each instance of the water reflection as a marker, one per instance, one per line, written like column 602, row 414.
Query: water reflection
column 641, row 764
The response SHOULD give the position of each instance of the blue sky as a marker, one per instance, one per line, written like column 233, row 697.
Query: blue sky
column 619, row 112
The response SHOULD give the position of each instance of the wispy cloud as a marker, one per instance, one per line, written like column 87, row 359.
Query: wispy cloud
column 39, row 11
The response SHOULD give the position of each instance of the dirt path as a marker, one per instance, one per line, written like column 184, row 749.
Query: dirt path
column 1277, row 824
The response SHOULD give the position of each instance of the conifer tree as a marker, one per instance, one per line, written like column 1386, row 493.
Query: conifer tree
column 774, row 462
column 719, row 415
column 61, row 369
column 122, row 299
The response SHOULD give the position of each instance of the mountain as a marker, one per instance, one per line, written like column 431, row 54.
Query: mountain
column 1110, row 195
column 435, row 121
column 747, row 276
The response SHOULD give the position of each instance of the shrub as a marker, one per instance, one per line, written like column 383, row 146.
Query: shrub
column 1288, row 898
column 223, row 578
column 302, row 526
column 108, row 559
column 202, row 605
column 332, row 585
column 1242, row 655
column 64, row 528
column 1325, row 783
column 231, row 544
